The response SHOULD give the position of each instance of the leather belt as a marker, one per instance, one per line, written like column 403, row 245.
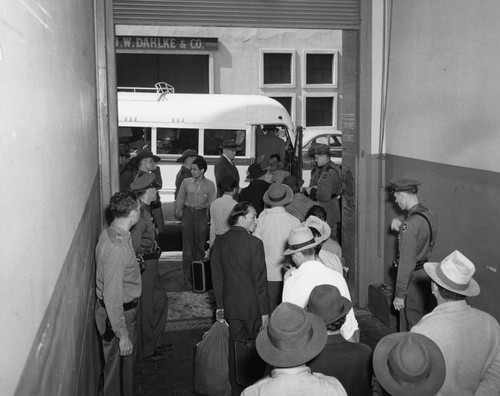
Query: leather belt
column 126, row 306
column 192, row 208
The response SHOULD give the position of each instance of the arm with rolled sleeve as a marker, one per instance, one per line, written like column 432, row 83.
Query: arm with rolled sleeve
column 407, row 258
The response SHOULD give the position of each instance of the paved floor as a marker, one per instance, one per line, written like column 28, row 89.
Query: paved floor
column 173, row 376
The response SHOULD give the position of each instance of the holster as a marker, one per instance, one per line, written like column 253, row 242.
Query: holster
column 109, row 334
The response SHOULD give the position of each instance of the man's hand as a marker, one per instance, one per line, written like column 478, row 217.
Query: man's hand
column 265, row 322
column 219, row 315
column 399, row 303
column 396, row 224
column 126, row 346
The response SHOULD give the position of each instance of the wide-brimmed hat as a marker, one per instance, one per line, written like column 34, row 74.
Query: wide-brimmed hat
column 145, row 154
column 230, row 145
column 409, row 364
column 143, row 182
column 301, row 238
column 404, row 184
column 454, row 273
column 255, row 171
column 322, row 226
column 327, row 302
column 186, row 154
column 292, row 338
column 278, row 195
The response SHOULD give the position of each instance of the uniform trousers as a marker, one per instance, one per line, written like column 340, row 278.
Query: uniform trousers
column 153, row 309
column 194, row 226
column 419, row 300
column 239, row 330
column 118, row 370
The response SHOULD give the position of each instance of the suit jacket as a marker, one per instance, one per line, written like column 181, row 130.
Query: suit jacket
column 223, row 167
column 349, row 362
column 254, row 194
column 239, row 275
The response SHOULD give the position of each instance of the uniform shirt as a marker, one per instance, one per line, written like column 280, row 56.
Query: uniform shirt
column 299, row 283
column 220, row 209
column 414, row 239
column 273, row 228
column 118, row 277
column 470, row 342
column 198, row 194
column 296, row 381
column 328, row 184
column 299, row 206
column 183, row 173
column 143, row 234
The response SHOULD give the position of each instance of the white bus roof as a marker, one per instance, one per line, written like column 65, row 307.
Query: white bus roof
column 233, row 111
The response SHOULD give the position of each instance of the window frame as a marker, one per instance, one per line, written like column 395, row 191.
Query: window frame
column 334, row 95
column 335, row 62
column 293, row 68
column 292, row 95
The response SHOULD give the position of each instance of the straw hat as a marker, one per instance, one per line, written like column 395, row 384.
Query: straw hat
column 301, row 238
column 278, row 195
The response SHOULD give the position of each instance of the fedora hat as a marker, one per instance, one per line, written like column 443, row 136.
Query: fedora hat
column 322, row 226
column 255, row 171
column 454, row 273
column 230, row 145
column 145, row 154
column 301, row 238
column 278, row 195
column 263, row 161
column 143, row 182
column 409, row 364
column 186, row 154
column 327, row 302
column 292, row 338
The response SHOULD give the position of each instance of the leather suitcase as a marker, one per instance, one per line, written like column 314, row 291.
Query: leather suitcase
column 202, row 276
column 380, row 298
column 249, row 365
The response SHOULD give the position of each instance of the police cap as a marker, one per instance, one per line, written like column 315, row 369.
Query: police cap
column 143, row 182
column 322, row 149
column 404, row 184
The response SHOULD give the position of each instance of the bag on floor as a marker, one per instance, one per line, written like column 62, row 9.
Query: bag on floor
column 211, row 372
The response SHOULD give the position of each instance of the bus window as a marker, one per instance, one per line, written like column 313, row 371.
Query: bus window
column 176, row 140
column 215, row 137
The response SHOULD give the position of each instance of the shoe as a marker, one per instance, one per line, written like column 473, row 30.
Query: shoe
column 163, row 348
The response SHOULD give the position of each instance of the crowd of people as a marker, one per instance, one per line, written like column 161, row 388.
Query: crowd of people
column 279, row 279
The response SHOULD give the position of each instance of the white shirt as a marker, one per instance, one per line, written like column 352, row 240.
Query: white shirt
column 331, row 260
column 220, row 209
column 300, row 282
column 273, row 228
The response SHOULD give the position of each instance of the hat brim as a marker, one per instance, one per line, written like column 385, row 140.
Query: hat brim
column 256, row 175
column 138, row 158
column 472, row 290
column 278, row 358
column 183, row 157
column 347, row 306
column 429, row 387
column 317, row 241
column 237, row 149
column 286, row 199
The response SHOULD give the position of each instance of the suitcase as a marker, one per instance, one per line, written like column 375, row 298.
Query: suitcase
column 249, row 365
column 380, row 298
column 202, row 276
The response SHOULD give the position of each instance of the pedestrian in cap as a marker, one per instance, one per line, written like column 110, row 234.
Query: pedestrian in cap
column 225, row 164
column 349, row 362
column 292, row 338
column 416, row 238
column 254, row 192
column 408, row 364
column 468, row 337
column 186, row 159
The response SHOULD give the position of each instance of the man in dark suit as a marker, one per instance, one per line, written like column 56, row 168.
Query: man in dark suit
column 225, row 166
column 239, row 279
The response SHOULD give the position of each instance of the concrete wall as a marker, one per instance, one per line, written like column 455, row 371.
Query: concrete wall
column 50, row 189
column 443, row 126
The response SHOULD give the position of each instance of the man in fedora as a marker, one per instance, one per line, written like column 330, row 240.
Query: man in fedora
column 469, row 338
column 257, row 187
column 408, row 364
column 273, row 228
column 153, row 307
column 350, row 363
column 300, row 203
column 225, row 165
column 292, row 338
column 310, row 272
column 186, row 159
column 416, row 237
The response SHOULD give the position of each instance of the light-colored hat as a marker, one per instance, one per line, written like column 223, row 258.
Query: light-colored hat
column 454, row 273
column 301, row 238
column 409, row 364
column 278, row 195
column 292, row 338
column 322, row 226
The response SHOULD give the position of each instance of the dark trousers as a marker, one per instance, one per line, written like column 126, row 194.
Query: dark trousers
column 275, row 290
column 419, row 300
column 239, row 330
column 153, row 309
column 194, row 226
column 118, row 370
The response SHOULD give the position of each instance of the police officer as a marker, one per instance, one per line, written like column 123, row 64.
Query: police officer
column 417, row 234
column 325, row 186
column 118, row 288
column 154, row 302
